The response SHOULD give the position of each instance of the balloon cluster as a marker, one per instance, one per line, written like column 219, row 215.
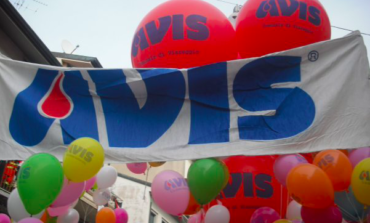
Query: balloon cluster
column 140, row 168
column 47, row 190
column 107, row 215
column 333, row 186
column 179, row 196
column 184, row 34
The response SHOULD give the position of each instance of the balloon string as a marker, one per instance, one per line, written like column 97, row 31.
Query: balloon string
column 365, row 210
column 352, row 204
column 281, row 201
column 362, row 216
column 56, row 147
column 202, row 215
column 87, row 212
column 83, row 209
column 146, row 182
column 346, row 212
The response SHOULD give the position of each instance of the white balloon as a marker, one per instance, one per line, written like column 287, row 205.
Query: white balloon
column 101, row 196
column 72, row 216
column 16, row 209
column 294, row 211
column 217, row 214
column 106, row 177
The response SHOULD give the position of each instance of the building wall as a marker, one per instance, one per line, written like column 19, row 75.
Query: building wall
column 9, row 48
column 178, row 166
column 132, row 195
column 136, row 204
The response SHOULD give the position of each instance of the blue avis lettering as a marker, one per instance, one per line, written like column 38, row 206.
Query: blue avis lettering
column 270, row 7
column 28, row 127
column 294, row 108
column 196, row 29
column 253, row 186
column 175, row 183
column 130, row 126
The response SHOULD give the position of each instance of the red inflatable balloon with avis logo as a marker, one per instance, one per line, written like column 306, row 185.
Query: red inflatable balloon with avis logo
column 183, row 34
column 252, row 185
column 268, row 26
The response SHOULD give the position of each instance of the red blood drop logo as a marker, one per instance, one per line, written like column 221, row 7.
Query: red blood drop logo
column 56, row 104
column 364, row 175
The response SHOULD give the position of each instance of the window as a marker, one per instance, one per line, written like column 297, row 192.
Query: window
column 152, row 217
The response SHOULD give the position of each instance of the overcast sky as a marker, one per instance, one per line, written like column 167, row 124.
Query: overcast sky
column 104, row 28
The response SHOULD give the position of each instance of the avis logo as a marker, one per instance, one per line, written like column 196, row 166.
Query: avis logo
column 365, row 176
column 195, row 29
column 80, row 152
column 26, row 173
column 300, row 158
column 271, row 7
column 53, row 96
column 56, row 103
column 175, row 184
column 326, row 161
column 259, row 186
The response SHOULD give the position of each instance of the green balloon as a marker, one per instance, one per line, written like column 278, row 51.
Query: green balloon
column 206, row 178
column 40, row 180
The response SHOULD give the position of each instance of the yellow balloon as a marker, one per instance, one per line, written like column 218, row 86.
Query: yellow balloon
column 282, row 221
column 156, row 164
column 360, row 181
column 83, row 159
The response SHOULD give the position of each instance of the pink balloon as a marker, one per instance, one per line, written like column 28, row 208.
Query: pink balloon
column 90, row 183
column 4, row 218
column 171, row 192
column 297, row 221
column 265, row 215
column 70, row 192
column 284, row 164
column 326, row 215
column 57, row 211
column 30, row 220
column 121, row 215
column 137, row 168
column 196, row 218
column 357, row 155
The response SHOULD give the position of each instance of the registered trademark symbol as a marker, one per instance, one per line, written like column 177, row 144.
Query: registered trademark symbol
column 313, row 56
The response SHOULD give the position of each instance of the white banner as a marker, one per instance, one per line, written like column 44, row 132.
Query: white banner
column 302, row 100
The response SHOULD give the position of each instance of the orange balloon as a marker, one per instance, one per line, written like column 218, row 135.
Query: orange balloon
column 193, row 206
column 310, row 186
column 337, row 166
column 156, row 164
column 226, row 172
column 44, row 217
column 106, row 215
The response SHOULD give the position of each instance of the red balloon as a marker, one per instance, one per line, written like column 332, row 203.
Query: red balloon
column 252, row 185
column 264, row 27
column 307, row 156
column 183, row 34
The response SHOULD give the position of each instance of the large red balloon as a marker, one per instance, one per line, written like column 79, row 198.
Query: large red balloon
column 267, row 26
column 183, row 34
column 252, row 185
